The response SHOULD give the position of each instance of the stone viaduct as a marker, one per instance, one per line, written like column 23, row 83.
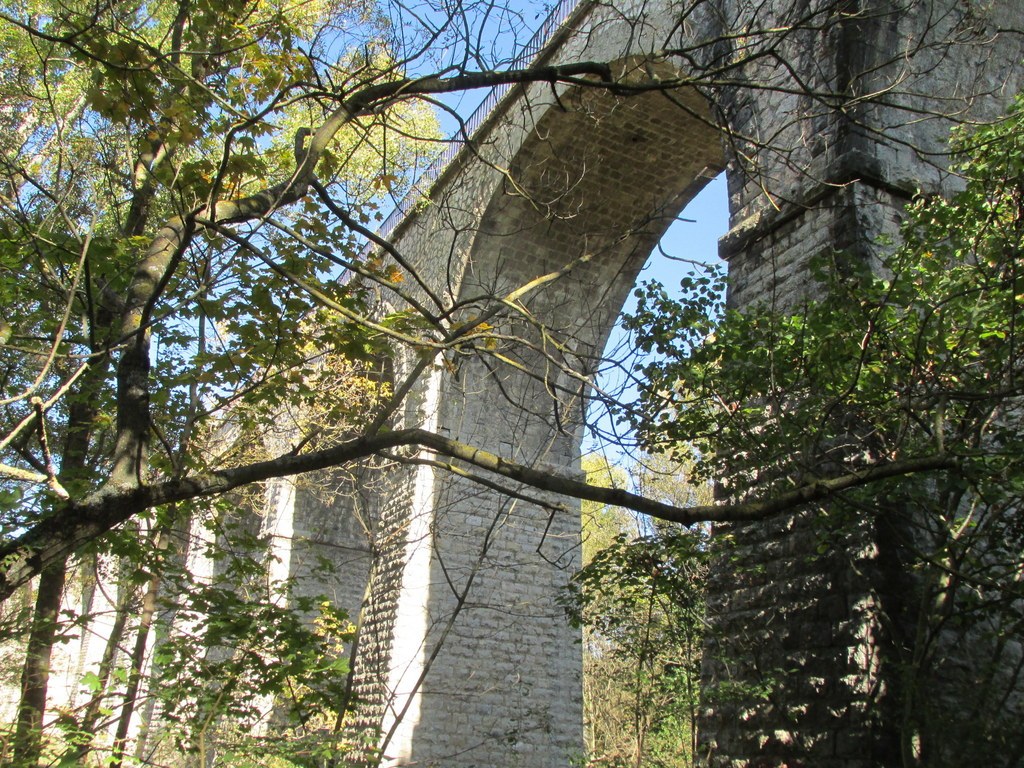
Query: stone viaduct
column 827, row 129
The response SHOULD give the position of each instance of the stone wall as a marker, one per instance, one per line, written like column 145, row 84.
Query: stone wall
column 801, row 669
column 464, row 655
column 812, row 624
column 583, row 183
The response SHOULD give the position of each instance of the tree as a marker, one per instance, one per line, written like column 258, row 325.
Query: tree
column 913, row 361
column 640, row 600
column 186, row 182
column 107, row 152
column 272, row 88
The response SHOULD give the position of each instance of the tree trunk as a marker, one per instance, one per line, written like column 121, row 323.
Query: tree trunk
column 138, row 657
column 92, row 709
column 35, row 674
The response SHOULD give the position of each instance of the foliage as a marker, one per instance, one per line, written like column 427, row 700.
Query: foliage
column 186, row 310
column 640, row 600
column 121, row 123
column 254, row 668
column 912, row 357
column 131, row 117
column 914, row 361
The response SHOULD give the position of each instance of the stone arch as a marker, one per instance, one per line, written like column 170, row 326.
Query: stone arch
column 599, row 176
column 589, row 192
column 496, row 695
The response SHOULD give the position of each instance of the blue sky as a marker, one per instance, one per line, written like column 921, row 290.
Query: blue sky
column 694, row 237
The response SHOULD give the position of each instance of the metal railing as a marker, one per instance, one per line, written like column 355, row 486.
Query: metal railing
column 523, row 58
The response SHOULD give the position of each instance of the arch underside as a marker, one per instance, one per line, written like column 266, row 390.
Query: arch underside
column 587, row 195
column 584, row 182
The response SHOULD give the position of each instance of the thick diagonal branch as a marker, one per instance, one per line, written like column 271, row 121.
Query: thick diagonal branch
column 78, row 523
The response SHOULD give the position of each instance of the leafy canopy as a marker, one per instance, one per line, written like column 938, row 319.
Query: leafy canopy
column 918, row 355
column 912, row 362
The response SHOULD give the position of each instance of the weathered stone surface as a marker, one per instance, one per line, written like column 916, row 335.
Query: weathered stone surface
column 800, row 667
column 465, row 658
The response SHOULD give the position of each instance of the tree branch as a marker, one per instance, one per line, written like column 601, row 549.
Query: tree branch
column 77, row 523
column 154, row 270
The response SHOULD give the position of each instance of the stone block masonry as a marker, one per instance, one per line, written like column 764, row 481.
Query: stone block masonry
column 481, row 665
column 810, row 646
column 826, row 116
